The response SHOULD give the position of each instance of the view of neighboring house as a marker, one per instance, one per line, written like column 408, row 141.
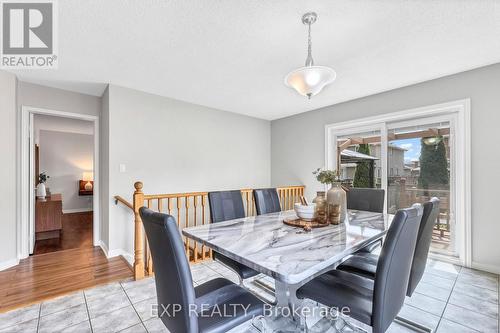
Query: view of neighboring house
column 396, row 156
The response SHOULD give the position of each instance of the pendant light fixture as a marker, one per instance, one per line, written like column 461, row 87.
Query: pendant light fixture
column 310, row 79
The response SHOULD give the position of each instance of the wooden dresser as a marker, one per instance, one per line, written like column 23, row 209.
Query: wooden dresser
column 48, row 217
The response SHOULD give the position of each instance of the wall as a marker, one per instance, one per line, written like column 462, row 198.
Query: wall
column 307, row 133
column 8, row 250
column 35, row 95
column 61, row 124
column 64, row 157
column 173, row 146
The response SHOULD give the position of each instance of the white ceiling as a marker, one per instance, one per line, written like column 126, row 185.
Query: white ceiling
column 233, row 54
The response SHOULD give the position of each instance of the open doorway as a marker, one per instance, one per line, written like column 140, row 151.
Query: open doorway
column 64, row 168
column 59, row 159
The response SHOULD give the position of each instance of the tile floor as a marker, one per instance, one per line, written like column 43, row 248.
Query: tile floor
column 450, row 299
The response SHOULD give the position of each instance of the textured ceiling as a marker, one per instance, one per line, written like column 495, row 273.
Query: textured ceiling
column 233, row 54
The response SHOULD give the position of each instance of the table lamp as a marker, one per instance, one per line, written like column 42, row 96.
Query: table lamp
column 88, row 176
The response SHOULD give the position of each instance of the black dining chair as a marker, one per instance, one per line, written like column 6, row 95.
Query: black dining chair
column 373, row 302
column 368, row 199
column 266, row 201
column 194, row 307
column 365, row 264
column 224, row 206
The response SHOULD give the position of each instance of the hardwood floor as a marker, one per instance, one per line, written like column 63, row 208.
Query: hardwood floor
column 60, row 266
column 76, row 233
column 45, row 276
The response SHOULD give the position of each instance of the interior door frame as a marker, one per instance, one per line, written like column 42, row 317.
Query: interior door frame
column 462, row 139
column 26, row 176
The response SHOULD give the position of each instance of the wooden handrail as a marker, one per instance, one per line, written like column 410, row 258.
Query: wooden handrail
column 173, row 195
column 189, row 209
column 123, row 201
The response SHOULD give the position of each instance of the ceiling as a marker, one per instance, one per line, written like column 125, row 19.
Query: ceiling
column 233, row 54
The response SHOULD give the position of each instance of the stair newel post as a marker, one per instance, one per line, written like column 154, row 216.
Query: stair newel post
column 139, row 233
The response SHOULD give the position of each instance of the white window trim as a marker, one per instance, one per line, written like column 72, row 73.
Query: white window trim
column 462, row 108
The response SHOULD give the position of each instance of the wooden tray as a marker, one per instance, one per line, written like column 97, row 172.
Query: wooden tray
column 305, row 224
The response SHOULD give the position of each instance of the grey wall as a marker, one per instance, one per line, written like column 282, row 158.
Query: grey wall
column 8, row 250
column 64, row 157
column 172, row 146
column 304, row 133
column 35, row 95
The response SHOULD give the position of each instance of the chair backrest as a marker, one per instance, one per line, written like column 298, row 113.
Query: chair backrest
column 225, row 205
column 369, row 199
column 266, row 201
column 174, row 284
column 393, row 267
column 424, row 238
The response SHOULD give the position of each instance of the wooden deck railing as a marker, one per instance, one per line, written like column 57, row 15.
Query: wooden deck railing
column 189, row 209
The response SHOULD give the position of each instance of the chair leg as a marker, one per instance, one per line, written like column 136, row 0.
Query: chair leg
column 339, row 323
column 413, row 325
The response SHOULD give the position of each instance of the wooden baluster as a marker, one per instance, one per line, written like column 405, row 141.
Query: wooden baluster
column 149, row 259
column 195, row 206
column 280, row 195
column 178, row 212
column 186, row 224
column 138, row 237
column 203, row 222
column 248, row 199
column 288, row 195
column 149, row 203
column 160, row 204
column 252, row 205
column 169, row 206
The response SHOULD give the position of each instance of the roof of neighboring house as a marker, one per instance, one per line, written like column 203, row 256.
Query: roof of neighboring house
column 351, row 156
column 390, row 146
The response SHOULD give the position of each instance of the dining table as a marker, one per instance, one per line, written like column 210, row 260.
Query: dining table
column 290, row 255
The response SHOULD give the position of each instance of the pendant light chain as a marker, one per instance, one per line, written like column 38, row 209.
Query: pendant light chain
column 309, row 60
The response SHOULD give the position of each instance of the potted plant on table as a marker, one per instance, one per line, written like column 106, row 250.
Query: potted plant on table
column 336, row 199
column 41, row 191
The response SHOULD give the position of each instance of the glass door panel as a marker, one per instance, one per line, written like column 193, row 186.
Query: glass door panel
column 359, row 159
column 419, row 167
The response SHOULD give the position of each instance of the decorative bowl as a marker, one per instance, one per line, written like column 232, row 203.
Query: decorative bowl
column 305, row 212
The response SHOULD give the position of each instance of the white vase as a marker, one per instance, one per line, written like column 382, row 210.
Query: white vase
column 41, row 191
column 336, row 203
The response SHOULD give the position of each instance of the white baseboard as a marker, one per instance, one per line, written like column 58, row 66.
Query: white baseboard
column 8, row 264
column 486, row 267
column 120, row 252
column 77, row 210
column 104, row 248
column 117, row 252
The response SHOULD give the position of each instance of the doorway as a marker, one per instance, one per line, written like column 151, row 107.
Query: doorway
column 413, row 155
column 59, row 181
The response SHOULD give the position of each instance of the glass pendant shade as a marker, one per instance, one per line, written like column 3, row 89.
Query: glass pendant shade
column 310, row 80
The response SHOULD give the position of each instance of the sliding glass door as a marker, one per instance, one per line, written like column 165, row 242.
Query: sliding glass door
column 412, row 160
column 420, row 165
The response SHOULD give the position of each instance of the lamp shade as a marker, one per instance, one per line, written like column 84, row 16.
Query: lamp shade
column 310, row 80
column 88, row 176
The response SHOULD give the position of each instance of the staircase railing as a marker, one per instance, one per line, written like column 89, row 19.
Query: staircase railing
column 189, row 209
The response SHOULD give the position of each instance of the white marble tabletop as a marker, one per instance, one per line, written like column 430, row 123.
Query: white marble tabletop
column 286, row 253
